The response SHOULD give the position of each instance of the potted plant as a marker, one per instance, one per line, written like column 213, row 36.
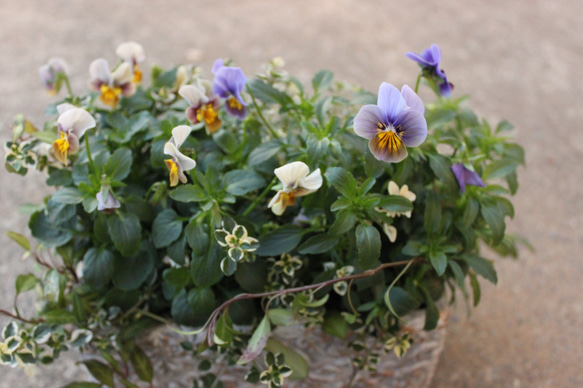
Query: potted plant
column 222, row 208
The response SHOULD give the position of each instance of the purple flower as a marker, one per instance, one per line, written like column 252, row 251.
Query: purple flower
column 429, row 61
column 229, row 82
column 110, row 204
column 395, row 123
column 465, row 176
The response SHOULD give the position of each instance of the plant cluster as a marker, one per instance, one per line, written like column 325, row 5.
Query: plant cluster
column 214, row 203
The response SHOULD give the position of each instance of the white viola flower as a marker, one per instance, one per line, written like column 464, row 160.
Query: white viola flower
column 111, row 85
column 132, row 53
column 295, row 183
column 403, row 192
column 52, row 74
column 71, row 124
column 204, row 106
column 179, row 163
column 391, row 232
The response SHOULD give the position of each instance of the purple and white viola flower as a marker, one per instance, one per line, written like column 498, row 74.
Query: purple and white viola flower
column 395, row 123
column 229, row 82
column 52, row 73
column 179, row 163
column 296, row 181
column 133, row 54
column 429, row 60
column 110, row 203
column 111, row 85
column 466, row 176
column 204, row 106
column 71, row 125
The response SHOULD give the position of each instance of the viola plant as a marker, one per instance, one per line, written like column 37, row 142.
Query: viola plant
column 204, row 200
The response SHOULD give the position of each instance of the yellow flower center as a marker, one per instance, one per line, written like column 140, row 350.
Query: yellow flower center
column 61, row 146
column 173, row 168
column 110, row 95
column 234, row 103
column 206, row 113
column 137, row 75
column 287, row 199
column 389, row 140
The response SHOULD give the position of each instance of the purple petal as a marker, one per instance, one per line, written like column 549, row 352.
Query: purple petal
column 387, row 146
column 412, row 99
column 217, row 65
column 229, row 81
column 236, row 111
column 445, row 88
column 411, row 127
column 417, row 58
column 390, row 101
column 458, row 171
column 473, row 179
column 366, row 122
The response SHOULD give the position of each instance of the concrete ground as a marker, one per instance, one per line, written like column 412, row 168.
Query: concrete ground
column 519, row 60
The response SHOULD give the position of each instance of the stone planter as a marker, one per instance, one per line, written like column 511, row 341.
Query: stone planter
column 329, row 359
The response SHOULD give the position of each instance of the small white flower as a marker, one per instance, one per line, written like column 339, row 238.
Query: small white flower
column 296, row 183
column 179, row 163
column 50, row 73
column 72, row 124
column 132, row 53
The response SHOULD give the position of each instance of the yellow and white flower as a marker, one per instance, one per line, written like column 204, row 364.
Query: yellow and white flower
column 133, row 54
column 179, row 163
column 204, row 106
column 295, row 183
column 71, row 124
column 111, row 85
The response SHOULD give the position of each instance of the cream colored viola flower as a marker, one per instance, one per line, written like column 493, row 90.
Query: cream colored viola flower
column 178, row 163
column 71, row 125
column 111, row 85
column 133, row 54
column 204, row 106
column 403, row 192
column 295, row 183
column 391, row 232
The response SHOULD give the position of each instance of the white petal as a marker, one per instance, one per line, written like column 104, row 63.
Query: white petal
column 207, row 86
column 393, row 188
column 131, row 51
column 193, row 95
column 180, row 134
column 62, row 108
column 185, row 162
column 123, row 74
column 77, row 120
column 276, row 204
column 390, row 231
column 292, row 173
column 313, row 181
column 99, row 70
column 170, row 149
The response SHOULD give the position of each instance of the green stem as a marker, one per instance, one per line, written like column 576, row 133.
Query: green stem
column 261, row 114
column 388, row 300
column 418, row 82
column 154, row 316
column 260, row 198
column 68, row 85
column 89, row 158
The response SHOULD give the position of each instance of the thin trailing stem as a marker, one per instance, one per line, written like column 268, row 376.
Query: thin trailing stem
column 265, row 122
column 260, row 198
column 9, row 314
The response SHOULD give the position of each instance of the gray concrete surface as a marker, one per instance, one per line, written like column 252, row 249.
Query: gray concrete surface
column 518, row 60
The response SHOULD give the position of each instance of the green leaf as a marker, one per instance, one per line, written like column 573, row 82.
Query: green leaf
column 98, row 267
column 400, row 301
column 205, row 268
column 141, row 364
column 278, row 241
column 282, row 317
column 470, row 211
column 257, row 342
column 130, row 272
column 202, row 301
column 176, row 277
column 58, row 317
column 166, row 228
column 119, row 164
column 294, row 360
column 441, row 167
column 68, row 195
column 432, row 213
column 228, row 266
column 264, row 152
column 166, row 79
column 45, row 136
column 431, row 312
column 241, row 182
column 10, row 330
column 226, row 141
column 482, row 267
column 322, row 80
column 504, row 125
column 263, row 91
column 82, row 384
column 368, row 241
column 19, row 239
column 181, row 311
column 126, row 232
column 494, row 217
column 475, row 288
column 412, row 248
column 396, row 203
column 342, row 180
column 224, row 332
column 438, row 260
column 46, row 232
column 25, row 283
column 499, row 168
column 458, row 274
column 335, row 324
column 345, row 220
column 318, row 244
column 189, row 193
column 102, row 372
